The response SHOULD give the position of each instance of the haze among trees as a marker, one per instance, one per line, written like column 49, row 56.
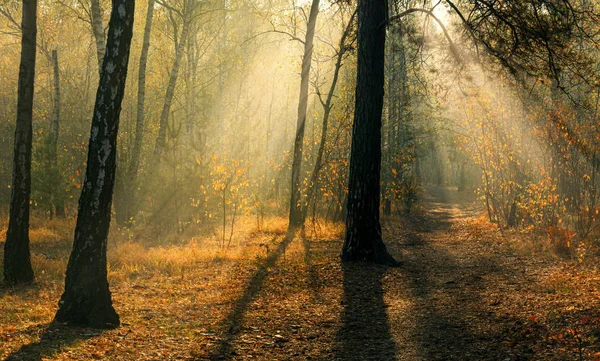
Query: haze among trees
column 326, row 180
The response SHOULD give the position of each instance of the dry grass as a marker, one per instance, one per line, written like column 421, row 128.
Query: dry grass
column 168, row 292
column 132, row 254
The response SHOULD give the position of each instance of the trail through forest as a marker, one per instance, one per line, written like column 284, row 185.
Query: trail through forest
column 464, row 291
column 461, row 294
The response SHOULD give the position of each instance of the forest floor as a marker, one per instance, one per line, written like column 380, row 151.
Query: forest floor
column 464, row 291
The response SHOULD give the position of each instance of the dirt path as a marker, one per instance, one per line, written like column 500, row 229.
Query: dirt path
column 464, row 291
column 450, row 284
column 439, row 304
column 460, row 294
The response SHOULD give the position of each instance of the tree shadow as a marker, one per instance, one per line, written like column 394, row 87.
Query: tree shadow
column 53, row 338
column 451, row 315
column 233, row 322
column 313, row 281
column 365, row 331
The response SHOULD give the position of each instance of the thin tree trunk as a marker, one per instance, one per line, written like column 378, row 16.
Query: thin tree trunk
column 295, row 217
column 170, row 93
column 392, row 119
column 363, row 231
column 17, row 263
column 193, row 54
column 86, row 300
column 141, row 109
column 57, row 198
column 312, row 185
column 98, row 31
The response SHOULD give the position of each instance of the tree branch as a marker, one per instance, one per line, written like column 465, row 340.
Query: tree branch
column 453, row 48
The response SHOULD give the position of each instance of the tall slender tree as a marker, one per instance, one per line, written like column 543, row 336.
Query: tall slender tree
column 58, row 205
column 17, row 263
column 86, row 300
column 134, row 164
column 364, row 241
column 295, row 218
column 345, row 46
column 186, row 14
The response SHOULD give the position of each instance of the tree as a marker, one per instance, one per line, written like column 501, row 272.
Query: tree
column 129, row 195
column 57, row 200
column 97, row 30
column 17, row 263
column 86, row 300
column 186, row 14
column 295, row 218
column 346, row 43
column 364, row 241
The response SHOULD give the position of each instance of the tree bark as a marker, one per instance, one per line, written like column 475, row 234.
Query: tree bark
column 86, row 300
column 17, row 262
column 98, row 31
column 363, row 231
column 296, row 204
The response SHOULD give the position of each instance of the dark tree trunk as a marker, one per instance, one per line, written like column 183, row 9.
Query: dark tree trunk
column 296, row 203
column 17, row 263
column 57, row 198
column 87, row 300
column 131, row 183
column 363, row 231
column 98, row 31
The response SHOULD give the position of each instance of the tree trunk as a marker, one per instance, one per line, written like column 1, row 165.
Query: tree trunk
column 170, row 93
column 195, row 136
column 392, row 100
column 86, row 300
column 312, row 185
column 295, row 218
column 98, row 31
column 131, row 182
column 17, row 263
column 57, row 198
column 363, row 231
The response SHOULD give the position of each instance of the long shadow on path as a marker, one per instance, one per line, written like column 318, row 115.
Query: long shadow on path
column 446, row 281
column 234, row 321
column 365, row 332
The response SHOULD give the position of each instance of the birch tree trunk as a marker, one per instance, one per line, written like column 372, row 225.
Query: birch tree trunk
column 86, row 300
column 98, row 31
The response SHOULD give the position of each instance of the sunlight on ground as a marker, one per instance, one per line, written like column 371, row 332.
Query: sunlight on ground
column 194, row 300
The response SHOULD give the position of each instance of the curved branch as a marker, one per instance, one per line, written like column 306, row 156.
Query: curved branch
column 453, row 48
column 291, row 36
